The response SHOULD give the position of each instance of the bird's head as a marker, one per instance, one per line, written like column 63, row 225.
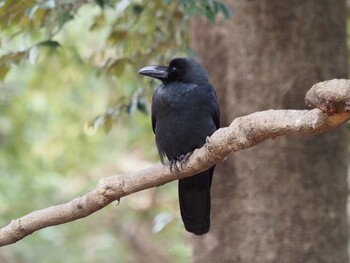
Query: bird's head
column 185, row 70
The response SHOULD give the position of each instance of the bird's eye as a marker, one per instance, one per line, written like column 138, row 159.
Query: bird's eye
column 173, row 69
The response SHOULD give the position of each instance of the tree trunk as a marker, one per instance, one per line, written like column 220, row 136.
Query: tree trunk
column 284, row 200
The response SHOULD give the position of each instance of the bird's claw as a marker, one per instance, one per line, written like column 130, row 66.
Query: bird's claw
column 173, row 165
column 184, row 158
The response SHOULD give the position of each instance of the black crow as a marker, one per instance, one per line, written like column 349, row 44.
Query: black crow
column 184, row 112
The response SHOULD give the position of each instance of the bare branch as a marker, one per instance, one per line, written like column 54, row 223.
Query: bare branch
column 332, row 97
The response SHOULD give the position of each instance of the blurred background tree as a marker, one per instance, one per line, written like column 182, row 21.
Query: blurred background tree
column 285, row 199
column 74, row 110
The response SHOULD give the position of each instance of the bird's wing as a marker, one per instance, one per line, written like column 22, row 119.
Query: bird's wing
column 153, row 112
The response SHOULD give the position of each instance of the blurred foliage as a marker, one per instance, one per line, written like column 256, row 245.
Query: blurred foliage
column 68, row 68
column 130, row 34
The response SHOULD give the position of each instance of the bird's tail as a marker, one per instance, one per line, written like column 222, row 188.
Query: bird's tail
column 194, row 198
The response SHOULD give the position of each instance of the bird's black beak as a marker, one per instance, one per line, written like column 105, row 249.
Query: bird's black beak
column 158, row 72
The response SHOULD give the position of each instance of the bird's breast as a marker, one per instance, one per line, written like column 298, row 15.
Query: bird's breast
column 183, row 118
column 178, row 97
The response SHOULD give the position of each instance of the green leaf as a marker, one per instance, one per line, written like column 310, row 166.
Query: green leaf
column 8, row 60
column 65, row 17
column 116, row 36
column 49, row 43
column 224, row 9
column 99, row 21
column 4, row 69
column 100, row 3
column 137, row 9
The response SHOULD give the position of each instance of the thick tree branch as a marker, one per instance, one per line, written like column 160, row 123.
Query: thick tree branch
column 331, row 97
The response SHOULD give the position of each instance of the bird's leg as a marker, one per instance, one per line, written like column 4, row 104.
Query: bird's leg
column 184, row 158
column 173, row 165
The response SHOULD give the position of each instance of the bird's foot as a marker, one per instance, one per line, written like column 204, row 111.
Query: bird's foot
column 184, row 158
column 173, row 166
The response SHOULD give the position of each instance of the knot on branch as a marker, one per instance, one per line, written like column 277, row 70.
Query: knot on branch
column 112, row 188
column 331, row 96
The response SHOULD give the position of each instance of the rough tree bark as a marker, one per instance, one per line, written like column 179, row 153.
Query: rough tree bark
column 283, row 200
